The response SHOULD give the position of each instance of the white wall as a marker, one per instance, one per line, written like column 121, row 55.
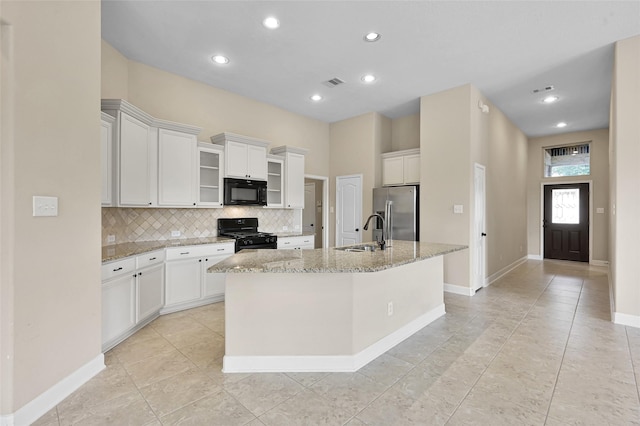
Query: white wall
column 624, row 151
column 50, row 288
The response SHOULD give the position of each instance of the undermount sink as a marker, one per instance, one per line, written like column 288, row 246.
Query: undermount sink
column 361, row 248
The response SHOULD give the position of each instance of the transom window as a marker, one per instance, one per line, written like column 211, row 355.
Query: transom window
column 567, row 161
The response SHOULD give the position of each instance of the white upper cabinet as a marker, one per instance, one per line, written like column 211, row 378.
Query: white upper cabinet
column 245, row 157
column 401, row 167
column 293, row 175
column 154, row 164
column 210, row 172
column 176, row 168
column 275, row 181
column 107, row 125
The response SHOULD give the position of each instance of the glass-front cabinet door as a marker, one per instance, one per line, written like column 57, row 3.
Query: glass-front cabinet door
column 210, row 174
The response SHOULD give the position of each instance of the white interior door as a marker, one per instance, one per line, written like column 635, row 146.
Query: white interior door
column 348, row 210
column 309, row 211
column 479, row 228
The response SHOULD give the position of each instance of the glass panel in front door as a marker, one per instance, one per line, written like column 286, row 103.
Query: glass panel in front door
column 565, row 206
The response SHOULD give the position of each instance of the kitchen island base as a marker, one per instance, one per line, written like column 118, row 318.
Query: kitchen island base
column 330, row 322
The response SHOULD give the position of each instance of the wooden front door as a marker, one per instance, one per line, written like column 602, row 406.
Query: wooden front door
column 566, row 222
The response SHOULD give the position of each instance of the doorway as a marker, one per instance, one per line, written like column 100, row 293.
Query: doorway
column 312, row 212
column 479, row 227
column 566, row 222
column 348, row 210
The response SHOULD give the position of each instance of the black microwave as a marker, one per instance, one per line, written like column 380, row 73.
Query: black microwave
column 245, row 192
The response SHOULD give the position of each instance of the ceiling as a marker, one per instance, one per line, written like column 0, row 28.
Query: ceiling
column 504, row 48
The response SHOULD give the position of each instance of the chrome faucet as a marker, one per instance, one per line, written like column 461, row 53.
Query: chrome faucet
column 381, row 243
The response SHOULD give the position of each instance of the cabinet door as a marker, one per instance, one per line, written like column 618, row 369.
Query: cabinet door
column 275, row 182
column 236, row 159
column 176, row 168
column 257, row 162
column 118, row 306
column 295, row 181
column 183, row 280
column 106, row 162
column 209, row 178
column 412, row 169
column 392, row 171
column 214, row 283
column 134, row 161
column 150, row 291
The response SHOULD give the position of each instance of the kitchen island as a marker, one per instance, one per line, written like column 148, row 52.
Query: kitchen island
column 327, row 309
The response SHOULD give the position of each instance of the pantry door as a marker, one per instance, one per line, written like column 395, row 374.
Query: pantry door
column 566, row 222
column 348, row 210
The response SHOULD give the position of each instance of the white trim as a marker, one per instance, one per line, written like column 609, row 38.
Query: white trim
column 325, row 207
column 534, row 257
column 612, row 301
column 44, row 402
column 328, row 363
column 626, row 319
column 458, row 289
column 596, row 262
column 502, row 272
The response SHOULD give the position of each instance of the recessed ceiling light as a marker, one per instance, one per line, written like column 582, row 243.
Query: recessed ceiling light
column 371, row 37
column 561, row 124
column 219, row 59
column 369, row 78
column 271, row 23
column 550, row 99
column 316, row 98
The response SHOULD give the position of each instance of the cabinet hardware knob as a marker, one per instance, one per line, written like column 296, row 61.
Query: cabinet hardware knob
column 117, row 269
column 186, row 252
column 149, row 202
column 357, row 229
column 219, row 249
column 483, row 234
column 152, row 258
column 199, row 260
column 135, row 275
column 139, row 274
column 194, row 204
column 206, row 260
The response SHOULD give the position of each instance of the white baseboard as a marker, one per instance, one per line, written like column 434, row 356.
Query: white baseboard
column 596, row 262
column 44, row 402
column 328, row 363
column 626, row 319
column 504, row 271
column 458, row 289
column 534, row 257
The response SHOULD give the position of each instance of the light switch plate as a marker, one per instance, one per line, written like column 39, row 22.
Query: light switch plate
column 175, row 233
column 45, row 206
column 458, row 209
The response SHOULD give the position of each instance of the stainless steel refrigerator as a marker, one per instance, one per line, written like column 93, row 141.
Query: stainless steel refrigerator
column 400, row 206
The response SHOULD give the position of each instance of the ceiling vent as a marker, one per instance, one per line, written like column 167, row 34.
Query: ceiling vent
column 333, row 82
column 543, row 89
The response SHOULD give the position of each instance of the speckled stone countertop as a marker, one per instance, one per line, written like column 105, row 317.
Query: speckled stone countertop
column 331, row 260
column 119, row 251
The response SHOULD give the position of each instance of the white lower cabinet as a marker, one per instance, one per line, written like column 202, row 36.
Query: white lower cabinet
column 118, row 307
column 187, row 282
column 150, row 291
column 299, row 242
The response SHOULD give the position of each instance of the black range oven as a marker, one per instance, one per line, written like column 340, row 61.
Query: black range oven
column 245, row 232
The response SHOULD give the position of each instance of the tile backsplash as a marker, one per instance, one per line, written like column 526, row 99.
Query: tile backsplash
column 142, row 224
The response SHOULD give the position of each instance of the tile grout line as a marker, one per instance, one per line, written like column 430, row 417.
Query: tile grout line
column 633, row 366
column 555, row 384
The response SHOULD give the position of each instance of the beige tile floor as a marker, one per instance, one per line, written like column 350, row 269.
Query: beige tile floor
column 536, row 347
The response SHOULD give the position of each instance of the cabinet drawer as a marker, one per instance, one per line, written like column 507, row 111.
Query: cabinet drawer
column 187, row 252
column 149, row 259
column 119, row 267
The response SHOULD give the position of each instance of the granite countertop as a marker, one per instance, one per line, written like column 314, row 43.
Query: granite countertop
column 331, row 260
column 119, row 251
column 293, row 234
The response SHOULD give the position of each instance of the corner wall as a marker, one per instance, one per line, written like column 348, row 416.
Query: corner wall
column 624, row 151
column 599, row 191
column 54, row 314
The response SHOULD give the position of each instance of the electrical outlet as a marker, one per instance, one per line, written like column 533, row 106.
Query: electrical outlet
column 296, row 226
column 389, row 309
column 175, row 233
column 111, row 238
column 285, row 228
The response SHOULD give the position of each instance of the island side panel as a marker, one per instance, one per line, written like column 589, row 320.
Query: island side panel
column 281, row 314
column 416, row 291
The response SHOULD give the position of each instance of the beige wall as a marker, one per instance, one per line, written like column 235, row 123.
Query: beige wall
column 356, row 145
column 171, row 97
column 55, row 284
column 454, row 136
column 405, row 132
column 625, row 175
column 599, row 190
